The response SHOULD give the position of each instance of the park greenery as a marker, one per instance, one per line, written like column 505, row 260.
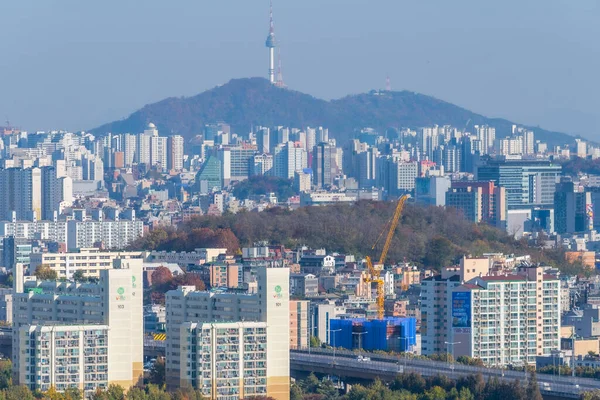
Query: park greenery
column 432, row 237
column 263, row 185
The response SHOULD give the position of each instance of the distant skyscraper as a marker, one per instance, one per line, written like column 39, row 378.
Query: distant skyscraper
column 175, row 153
column 323, row 165
column 270, row 44
column 262, row 140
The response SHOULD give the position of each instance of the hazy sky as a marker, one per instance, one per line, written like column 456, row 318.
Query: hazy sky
column 75, row 64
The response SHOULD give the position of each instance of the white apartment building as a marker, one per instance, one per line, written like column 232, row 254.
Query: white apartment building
column 270, row 305
column 159, row 152
column 112, row 234
column 225, row 360
column 44, row 230
column 405, row 175
column 185, row 258
column 76, row 234
column 55, row 357
column 81, row 322
column 508, row 319
column 89, row 260
column 436, row 302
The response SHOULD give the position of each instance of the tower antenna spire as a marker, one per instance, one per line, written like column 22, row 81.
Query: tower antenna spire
column 271, row 27
column 279, row 82
column 270, row 44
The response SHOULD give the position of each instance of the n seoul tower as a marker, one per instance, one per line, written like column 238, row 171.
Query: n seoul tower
column 270, row 43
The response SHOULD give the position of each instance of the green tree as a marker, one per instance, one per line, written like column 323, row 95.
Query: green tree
column 440, row 252
column 79, row 276
column 45, row 273
column 157, row 372
column 315, row 341
column 296, row 392
column 5, row 374
column 593, row 395
column 533, row 390
column 18, row 393
column 115, row 392
column 435, row 393
column 73, row 393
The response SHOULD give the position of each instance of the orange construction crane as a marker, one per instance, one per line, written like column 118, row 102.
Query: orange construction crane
column 375, row 269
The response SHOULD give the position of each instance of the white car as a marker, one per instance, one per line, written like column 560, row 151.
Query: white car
column 363, row 359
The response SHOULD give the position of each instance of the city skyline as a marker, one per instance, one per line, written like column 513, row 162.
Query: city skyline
column 102, row 75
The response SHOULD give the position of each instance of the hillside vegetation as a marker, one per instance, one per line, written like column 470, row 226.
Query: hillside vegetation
column 244, row 103
column 429, row 236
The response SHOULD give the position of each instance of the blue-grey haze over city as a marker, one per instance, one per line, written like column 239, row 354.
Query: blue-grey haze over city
column 75, row 65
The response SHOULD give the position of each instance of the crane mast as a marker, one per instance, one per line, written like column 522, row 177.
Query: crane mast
column 375, row 270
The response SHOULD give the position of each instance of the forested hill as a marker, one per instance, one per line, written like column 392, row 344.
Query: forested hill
column 248, row 102
column 430, row 236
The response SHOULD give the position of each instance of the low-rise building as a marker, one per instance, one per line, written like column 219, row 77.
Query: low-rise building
column 304, row 285
column 90, row 261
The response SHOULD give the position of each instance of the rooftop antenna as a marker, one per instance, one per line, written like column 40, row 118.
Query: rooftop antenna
column 279, row 82
column 388, row 84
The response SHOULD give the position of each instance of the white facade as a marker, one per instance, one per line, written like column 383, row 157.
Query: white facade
column 512, row 319
column 228, row 359
column 91, row 261
column 56, row 357
column 270, row 304
column 115, row 302
column 112, row 234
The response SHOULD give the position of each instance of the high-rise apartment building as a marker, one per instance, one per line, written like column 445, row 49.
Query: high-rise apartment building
column 299, row 335
column 21, row 192
column 324, row 165
column 225, row 360
column 436, row 302
column 159, row 154
column 303, row 180
column 269, row 305
column 288, row 158
column 487, row 136
column 263, row 140
column 262, row 164
column 175, row 153
column 88, row 335
column 130, row 149
column 573, row 208
column 56, row 193
column 479, row 201
column 506, row 320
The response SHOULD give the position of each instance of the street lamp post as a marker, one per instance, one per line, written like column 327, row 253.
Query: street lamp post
column 311, row 334
column 406, row 349
column 448, row 344
column 330, row 332
column 359, row 341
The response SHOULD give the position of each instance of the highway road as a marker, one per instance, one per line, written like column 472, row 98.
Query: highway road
column 346, row 364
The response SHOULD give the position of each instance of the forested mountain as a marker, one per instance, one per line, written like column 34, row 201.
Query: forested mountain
column 254, row 101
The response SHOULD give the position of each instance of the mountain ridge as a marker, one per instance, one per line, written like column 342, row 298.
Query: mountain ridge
column 245, row 102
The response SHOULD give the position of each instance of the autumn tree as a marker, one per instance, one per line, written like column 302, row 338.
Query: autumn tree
column 161, row 276
column 43, row 272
